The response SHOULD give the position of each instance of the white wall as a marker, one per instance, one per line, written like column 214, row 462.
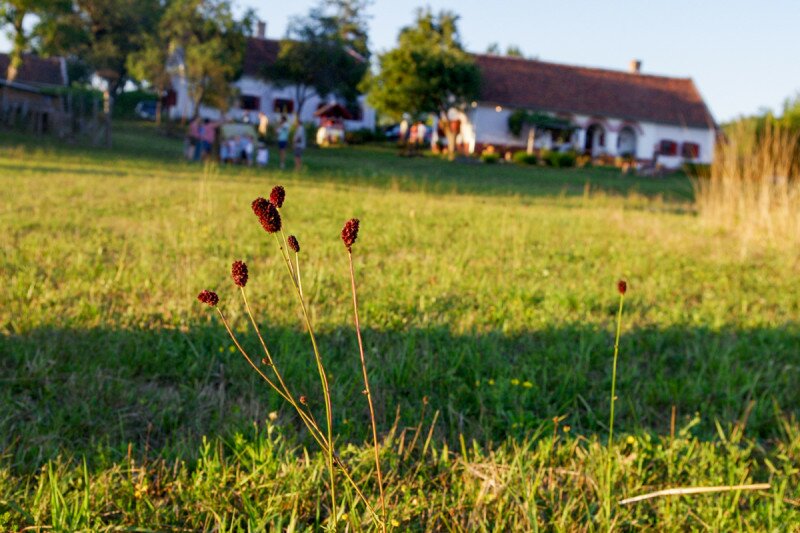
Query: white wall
column 486, row 125
column 267, row 93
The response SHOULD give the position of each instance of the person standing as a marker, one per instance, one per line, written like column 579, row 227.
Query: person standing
column 299, row 144
column 283, row 140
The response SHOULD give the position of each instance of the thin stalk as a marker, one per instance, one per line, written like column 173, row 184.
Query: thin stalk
column 247, row 357
column 366, row 385
column 322, row 376
column 287, row 394
column 318, row 436
column 613, row 398
column 297, row 273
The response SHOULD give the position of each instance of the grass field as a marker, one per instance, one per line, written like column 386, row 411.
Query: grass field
column 488, row 303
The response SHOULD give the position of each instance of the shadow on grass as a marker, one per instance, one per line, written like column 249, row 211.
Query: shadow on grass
column 93, row 391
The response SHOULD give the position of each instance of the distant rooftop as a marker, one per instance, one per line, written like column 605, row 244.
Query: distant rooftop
column 543, row 86
column 36, row 70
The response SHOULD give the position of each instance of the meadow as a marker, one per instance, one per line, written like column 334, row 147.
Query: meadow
column 488, row 301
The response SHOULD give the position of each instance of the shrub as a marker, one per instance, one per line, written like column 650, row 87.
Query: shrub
column 524, row 158
column 360, row 136
column 560, row 159
column 490, row 157
column 697, row 170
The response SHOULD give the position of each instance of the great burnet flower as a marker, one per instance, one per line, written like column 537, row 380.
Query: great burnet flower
column 622, row 286
column 350, row 233
column 293, row 244
column 267, row 214
column 208, row 297
column 277, row 196
column 239, row 273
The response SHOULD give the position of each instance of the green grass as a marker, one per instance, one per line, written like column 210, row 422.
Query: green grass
column 488, row 290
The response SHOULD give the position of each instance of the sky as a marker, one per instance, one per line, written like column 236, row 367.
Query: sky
column 740, row 53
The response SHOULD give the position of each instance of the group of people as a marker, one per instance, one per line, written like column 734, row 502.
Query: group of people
column 205, row 138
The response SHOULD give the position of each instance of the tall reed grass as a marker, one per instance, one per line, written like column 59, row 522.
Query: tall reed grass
column 754, row 185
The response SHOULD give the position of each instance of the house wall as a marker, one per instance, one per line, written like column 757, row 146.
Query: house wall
column 488, row 124
column 267, row 93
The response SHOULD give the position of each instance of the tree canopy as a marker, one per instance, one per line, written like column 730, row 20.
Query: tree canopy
column 427, row 73
column 324, row 53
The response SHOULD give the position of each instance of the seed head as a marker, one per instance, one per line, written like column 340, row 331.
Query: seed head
column 293, row 244
column 277, row 196
column 350, row 233
column 239, row 273
column 208, row 297
column 267, row 214
column 622, row 286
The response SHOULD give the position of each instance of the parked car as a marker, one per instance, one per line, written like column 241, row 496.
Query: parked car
column 146, row 110
column 392, row 133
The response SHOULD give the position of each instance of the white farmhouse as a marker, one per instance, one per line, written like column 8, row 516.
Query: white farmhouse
column 257, row 95
column 613, row 112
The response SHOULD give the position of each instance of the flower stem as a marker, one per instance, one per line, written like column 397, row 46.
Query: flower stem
column 366, row 386
column 611, row 420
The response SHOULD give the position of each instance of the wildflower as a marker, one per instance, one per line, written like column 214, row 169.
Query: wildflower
column 527, row 385
column 490, row 382
column 395, row 523
column 239, row 273
column 515, row 381
column 622, row 286
column 277, row 196
column 350, row 233
column 303, row 400
column 631, row 440
column 208, row 297
column 293, row 244
column 566, row 429
column 232, row 348
column 267, row 214
column 273, row 415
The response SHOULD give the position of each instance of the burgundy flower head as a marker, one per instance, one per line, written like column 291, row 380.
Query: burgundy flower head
column 267, row 214
column 293, row 244
column 208, row 297
column 622, row 286
column 350, row 233
column 239, row 273
column 277, row 196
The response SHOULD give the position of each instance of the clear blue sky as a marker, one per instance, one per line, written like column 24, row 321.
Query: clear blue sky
column 742, row 54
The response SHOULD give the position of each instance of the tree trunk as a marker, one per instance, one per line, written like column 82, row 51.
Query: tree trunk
column 108, row 107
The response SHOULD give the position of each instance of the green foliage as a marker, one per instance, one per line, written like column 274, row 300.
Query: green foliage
column 523, row 158
column 362, row 136
column 490, row 157
column 521, row 118
column 325, row 53
column 558, row 159
column 428, row 71
column 696, row 170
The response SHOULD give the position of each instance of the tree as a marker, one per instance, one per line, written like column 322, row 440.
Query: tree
column 324, row 53
column 512, row 50
column 13, row 14
column 427, row 73
column 150, row 64
column 210, row 41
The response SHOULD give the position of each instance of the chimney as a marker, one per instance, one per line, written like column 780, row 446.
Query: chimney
column 261, row 31
column 635, row 66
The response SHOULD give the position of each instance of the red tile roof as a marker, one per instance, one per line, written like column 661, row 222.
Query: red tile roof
column 35, row 70
column 259, row 53
column 541, row 86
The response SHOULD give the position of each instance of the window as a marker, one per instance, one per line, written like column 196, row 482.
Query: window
column 282, row 105
column 666, row 147
column 250, row 103
column 690, row 150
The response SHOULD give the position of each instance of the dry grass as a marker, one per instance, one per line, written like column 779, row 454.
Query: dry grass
column 754, row 186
